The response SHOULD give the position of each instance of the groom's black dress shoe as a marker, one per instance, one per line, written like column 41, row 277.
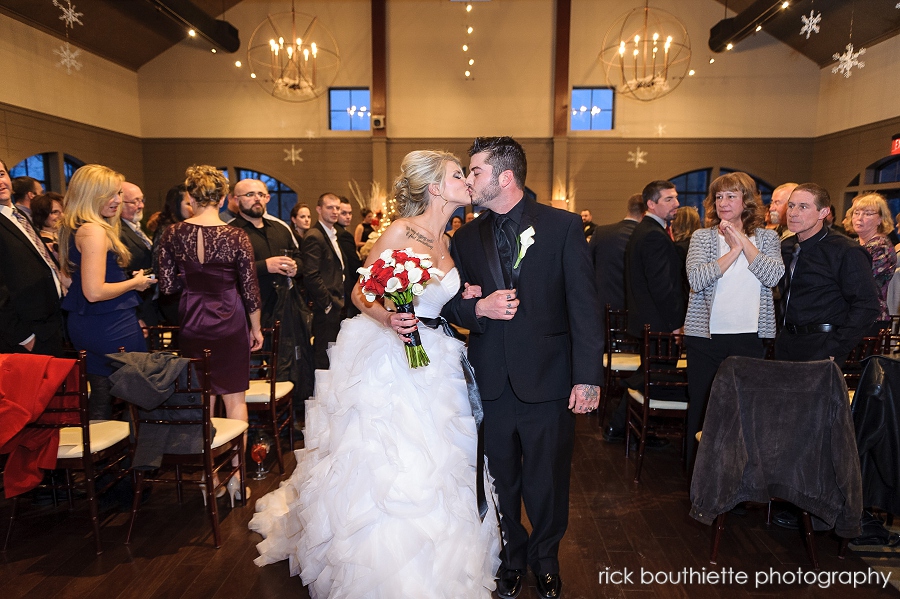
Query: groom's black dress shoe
column 509, row 583
column 549, row 586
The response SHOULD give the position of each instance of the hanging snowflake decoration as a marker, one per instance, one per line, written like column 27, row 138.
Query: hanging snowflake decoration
column 637, row 157
column 68, row 57
column 848, row 60
column 810, row 23
column 660, row 130
column 68, row 13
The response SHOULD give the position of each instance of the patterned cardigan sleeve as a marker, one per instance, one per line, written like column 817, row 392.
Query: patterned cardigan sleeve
column 702, row 260
column 767, row 266
column 703, row 266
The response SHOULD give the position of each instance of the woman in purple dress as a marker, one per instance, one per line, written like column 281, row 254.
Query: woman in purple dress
column 211, row 264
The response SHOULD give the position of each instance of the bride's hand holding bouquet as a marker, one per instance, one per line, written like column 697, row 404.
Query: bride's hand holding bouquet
column 400, row 275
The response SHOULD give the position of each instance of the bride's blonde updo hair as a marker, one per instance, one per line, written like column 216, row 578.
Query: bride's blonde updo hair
column 418, row 170
column 205, row 184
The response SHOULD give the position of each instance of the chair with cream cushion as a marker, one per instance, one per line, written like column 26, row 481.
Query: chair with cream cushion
column 108, row 440
column 222, row 442
column 621, row 354
column 665, row 378
column 271, row 398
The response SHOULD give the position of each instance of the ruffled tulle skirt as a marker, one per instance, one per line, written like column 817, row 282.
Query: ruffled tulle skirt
column 382, row 502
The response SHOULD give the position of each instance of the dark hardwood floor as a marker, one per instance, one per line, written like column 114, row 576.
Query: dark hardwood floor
column 614, row 524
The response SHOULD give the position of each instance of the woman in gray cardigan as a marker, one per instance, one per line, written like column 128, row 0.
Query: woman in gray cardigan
column 732, row 267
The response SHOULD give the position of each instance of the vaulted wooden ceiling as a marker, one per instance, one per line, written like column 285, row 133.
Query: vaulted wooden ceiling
column 873, row 21
column 127, row 32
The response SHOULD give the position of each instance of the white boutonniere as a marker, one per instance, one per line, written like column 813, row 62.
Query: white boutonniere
column 526, row 240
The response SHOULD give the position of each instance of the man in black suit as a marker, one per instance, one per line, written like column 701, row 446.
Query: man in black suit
column 30, row 316
column 608, row 253
column 535, row 343
column 26, row 189
column 323, row 276
column 653, row 290
column 653, row 285
column 349, row 255
column 139, row 245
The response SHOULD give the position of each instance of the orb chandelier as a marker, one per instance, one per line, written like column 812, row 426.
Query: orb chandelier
column 293, row 56
column 646, row 53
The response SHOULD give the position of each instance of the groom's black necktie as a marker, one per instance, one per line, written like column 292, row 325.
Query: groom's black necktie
column 504, row 234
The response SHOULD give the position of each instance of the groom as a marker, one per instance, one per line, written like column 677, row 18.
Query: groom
column 535, row 345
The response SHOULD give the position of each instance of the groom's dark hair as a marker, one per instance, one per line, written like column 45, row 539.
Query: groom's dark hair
column 503, row 154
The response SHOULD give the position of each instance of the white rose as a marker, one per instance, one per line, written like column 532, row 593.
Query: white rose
column 418, row 289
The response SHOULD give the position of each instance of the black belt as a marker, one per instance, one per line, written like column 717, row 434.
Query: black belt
column 477, row 412
column 808, row 329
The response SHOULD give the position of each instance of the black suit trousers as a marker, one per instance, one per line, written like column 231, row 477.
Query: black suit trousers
column 704, row 358
column 529, row 452
column 325, row 329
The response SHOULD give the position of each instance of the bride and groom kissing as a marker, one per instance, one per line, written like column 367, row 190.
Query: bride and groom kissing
column 383, row 500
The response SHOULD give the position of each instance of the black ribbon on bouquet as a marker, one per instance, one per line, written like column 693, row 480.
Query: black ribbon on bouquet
column 414, row 339
column 477, row 412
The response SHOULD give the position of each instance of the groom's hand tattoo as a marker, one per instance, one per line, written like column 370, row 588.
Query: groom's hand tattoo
column 588, row 392
column 416, row 236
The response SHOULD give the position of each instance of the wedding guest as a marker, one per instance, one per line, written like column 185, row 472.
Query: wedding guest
column 26, row 189
column 455, row 223
column 686, row 221
column 211, row 264
column 301, row 219
column 30, row 283
column 46, row 212
column 102, row 298
column 870, row 218
column 732, row 267
column 363, row 229
column 176, row 209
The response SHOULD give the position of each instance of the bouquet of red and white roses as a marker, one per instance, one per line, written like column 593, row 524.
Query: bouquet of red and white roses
column 399, row 275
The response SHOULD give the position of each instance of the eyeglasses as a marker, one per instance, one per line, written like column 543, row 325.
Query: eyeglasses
column 133, row 202
column 866, row 213
column 254, row 194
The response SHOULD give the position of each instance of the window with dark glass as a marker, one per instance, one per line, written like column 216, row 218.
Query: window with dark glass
column 37, row 167
column 282, row 198
column 692, row 188
column 349, row 109
column 592, row 108
column 70, row 165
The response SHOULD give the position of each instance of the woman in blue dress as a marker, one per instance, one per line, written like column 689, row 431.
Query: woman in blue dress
column 102, row 298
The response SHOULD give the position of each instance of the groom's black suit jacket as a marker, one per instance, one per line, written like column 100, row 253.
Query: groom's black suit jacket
column 555, row 340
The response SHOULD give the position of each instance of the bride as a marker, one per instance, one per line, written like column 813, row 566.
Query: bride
column 382, row 503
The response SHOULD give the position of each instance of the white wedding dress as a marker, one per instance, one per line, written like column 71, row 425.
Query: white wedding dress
column 382, row 501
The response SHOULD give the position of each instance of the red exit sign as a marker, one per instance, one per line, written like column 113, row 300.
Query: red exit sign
column 895, row 145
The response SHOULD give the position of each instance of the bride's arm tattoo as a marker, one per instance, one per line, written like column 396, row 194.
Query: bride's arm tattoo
column 416, row 236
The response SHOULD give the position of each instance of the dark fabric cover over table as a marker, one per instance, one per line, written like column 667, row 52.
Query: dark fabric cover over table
column 779, row 429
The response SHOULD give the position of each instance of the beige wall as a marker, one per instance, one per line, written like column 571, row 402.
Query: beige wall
column 753, row 91
column 102, row 94
column 189, row 92
column 869, row 95
column 328, row 165
column 24, row 133
column 511, row 89
column 839, row 157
